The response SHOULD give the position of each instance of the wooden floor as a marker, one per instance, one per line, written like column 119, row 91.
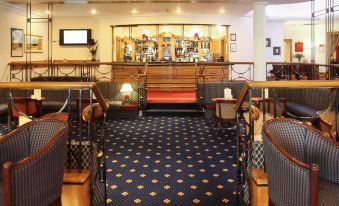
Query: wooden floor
column 259, row 188
column 75, row 190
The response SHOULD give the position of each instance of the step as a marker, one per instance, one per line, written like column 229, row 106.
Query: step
column 174, row 112
column 175, row 106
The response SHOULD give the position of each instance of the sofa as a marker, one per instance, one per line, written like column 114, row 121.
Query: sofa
column 305, row 103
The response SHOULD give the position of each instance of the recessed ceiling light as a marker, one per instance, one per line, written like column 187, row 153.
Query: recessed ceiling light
column 93, row 11
column 134, row 11
column 222, row 11
column 178, row 11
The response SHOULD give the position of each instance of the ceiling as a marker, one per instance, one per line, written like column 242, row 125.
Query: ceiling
column 119, row 8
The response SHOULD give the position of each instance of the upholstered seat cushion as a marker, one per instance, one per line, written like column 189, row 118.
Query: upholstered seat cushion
column 328, row 193
column 301, row 110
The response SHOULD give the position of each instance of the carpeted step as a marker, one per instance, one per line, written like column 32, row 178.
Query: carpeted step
column 173, row 109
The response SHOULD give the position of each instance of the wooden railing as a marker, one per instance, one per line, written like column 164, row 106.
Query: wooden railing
column 75, row 139
column 225, row 71
column 247, row 145
column 282, row 84
column 58, row 86
column 296, row 71
column 77, row 70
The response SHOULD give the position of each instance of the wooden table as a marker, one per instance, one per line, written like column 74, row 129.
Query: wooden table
column 29, row 106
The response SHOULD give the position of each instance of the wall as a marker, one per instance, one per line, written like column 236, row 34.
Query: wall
column 101, row 31
column 75, row 52
column 275, row 31
column 302, row 32
column 242, row 27
column 16, row 19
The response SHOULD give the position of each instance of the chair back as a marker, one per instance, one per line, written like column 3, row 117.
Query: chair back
column 37, row 179
column 224, row 109
column 289, row 175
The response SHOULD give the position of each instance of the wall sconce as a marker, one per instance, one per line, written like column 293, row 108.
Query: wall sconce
column 126, row 89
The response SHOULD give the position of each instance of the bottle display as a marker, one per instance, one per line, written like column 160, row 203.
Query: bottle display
column 206, row 51
column 186, row 50
column 146, row 50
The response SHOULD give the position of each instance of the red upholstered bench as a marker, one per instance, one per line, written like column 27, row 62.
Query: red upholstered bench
column 171, row 97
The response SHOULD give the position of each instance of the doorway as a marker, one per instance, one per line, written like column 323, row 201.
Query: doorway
column 287, row 50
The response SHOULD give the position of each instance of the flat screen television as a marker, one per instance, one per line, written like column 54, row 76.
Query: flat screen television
column 75, row 36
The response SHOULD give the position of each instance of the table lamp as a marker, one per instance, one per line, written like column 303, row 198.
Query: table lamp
column 126, row 89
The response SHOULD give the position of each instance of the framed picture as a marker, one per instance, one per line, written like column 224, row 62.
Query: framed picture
column 268, row 42
column 17, row 39
column 233, row 47
column 33, row 43
column 233, row 37
column 276, row 50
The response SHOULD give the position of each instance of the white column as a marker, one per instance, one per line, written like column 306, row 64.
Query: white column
column 259, row 40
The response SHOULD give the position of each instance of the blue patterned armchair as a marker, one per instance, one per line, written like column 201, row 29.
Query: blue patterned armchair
column 302, row 164
column 32, row 164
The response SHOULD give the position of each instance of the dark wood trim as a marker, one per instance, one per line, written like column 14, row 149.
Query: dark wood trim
column 314, row 184
column 57, row 202
column 7, row 180
column 242, row 96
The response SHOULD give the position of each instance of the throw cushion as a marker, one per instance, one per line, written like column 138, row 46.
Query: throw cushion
column 301, row 110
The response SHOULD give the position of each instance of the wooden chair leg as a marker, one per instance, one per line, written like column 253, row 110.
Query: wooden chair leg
column 57, row 202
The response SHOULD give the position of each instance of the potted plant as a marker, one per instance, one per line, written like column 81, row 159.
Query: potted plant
column 92, row 47
column 298, row 56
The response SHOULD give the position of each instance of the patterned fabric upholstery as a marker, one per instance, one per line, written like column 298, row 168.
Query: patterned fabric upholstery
column 328, row 193
column 258, row 160
column 39, row 180
column 310, row 100
column 289, row 188
column 289, row 183
column 227, row 111
column 324, row 153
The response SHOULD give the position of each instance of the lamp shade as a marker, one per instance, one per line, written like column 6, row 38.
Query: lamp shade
column 126, row 88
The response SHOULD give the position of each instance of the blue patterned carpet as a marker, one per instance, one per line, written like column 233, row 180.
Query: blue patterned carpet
column 179, row 161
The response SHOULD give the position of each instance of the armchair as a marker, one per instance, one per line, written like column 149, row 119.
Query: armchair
column 32, row 164
column 302, row 164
